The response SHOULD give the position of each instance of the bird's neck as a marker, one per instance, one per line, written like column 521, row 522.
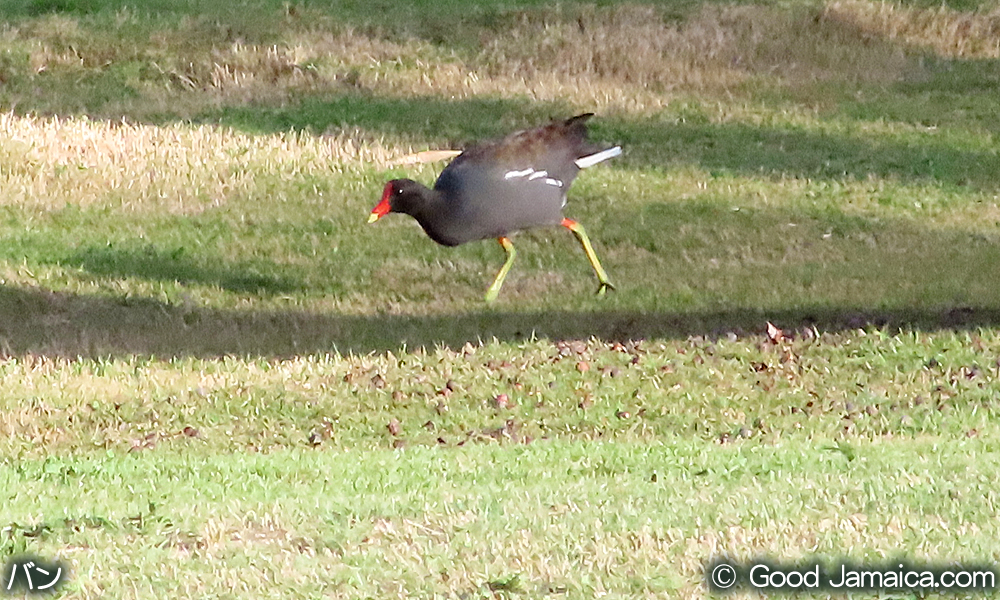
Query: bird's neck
column 421, row 201
column 432, row 211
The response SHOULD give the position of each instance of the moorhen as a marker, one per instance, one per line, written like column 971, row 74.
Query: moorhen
column 497, row 188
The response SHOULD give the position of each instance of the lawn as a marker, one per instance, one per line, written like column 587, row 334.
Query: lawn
column 218, row 381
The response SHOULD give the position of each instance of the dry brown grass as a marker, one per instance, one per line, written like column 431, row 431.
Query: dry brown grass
column 176, row 169
column 630, row 59
column 945, row 31
column 627, row 57
column 311, row 61
column 718, row 48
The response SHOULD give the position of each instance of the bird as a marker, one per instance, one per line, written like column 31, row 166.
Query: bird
column 496, row 188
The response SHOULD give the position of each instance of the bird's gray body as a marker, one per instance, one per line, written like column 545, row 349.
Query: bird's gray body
column 495, row 201
column 497, row 188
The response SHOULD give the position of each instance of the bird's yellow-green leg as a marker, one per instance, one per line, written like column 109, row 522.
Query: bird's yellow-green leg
column 491, row 294
column 581, row 235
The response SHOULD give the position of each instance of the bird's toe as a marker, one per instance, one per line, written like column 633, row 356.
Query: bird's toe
column 604, row 287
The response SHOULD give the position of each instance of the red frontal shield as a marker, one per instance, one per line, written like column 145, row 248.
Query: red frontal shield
column 383, row 207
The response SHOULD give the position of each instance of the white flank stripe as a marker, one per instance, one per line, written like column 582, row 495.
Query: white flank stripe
column 554, row 182
column 513, row 174
column 593, row 159
column 538, row 175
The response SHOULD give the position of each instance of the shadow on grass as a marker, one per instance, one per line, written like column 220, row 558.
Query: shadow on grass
column 453, row 24
column 734, row 147
column 777, row 151
column 449, row 23
column 151, row 263
column 457, row 122
column 819, row 267
column 958, row 93
column 67, row 325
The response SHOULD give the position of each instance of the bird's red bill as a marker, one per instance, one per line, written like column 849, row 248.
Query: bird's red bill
column 384, row 207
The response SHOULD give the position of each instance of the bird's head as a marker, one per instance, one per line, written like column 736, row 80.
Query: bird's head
column 398, row 196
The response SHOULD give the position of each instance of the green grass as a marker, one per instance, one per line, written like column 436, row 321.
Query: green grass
column 217, row 381
column 549, row 516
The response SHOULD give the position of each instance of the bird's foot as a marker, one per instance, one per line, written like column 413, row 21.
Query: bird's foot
column 604, row 287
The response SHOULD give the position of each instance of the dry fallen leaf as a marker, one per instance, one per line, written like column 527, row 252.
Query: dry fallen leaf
column 774, row 334
column 503, row 402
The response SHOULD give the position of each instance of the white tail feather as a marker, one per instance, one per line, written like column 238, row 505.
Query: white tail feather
column 593, row 159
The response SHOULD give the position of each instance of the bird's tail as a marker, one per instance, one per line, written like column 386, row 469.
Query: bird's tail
column 592, row 159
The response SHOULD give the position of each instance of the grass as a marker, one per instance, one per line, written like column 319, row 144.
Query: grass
column 217, row 381
column 492, row 516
